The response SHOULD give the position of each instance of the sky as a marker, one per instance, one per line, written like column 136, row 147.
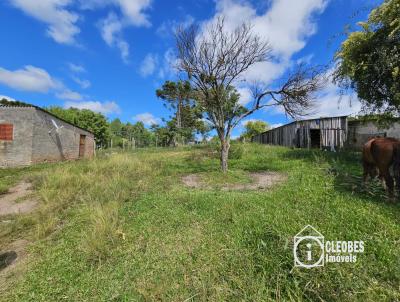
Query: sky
column 111, row 55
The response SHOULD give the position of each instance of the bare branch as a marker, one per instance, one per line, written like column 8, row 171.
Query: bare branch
column 215, row 58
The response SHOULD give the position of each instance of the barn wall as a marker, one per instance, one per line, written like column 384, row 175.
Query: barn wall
column 17, row 152
column 359, row 132
column 297, row 134
column 51, row 145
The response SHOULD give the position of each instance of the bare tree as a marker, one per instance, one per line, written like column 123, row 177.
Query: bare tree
column 216, row 59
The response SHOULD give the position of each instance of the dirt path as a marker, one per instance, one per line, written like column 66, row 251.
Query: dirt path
column 16, row 201
column 261, row 180
column 19, row 199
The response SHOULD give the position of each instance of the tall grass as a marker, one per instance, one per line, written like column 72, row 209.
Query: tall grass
column 103, row 232
column 123, row 228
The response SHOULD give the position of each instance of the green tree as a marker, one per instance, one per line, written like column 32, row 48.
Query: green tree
column 253, row 128
column 129, row 136
column 15, row 103
column 164, row 136
column 142, row 136
column 368, row 61
column 178, row 97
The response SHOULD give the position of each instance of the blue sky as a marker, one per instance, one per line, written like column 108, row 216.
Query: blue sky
column 111, row 55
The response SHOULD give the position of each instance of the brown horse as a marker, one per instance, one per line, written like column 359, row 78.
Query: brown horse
column 396, row 166
column 379, row 154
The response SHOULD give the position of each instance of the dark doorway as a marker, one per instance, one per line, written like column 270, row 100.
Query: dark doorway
column 315, row 135
column 82, row 141
column 298, row 138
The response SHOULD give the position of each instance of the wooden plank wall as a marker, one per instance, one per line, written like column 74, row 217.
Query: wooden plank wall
column 297, row 134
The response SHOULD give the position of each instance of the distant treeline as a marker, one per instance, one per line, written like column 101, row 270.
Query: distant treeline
column 125, row 135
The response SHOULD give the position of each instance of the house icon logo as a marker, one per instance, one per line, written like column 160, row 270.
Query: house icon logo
column 309, row 248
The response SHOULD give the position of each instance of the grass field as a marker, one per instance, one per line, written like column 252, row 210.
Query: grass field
column 122, row 227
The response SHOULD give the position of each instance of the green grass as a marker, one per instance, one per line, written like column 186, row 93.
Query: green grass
column 123, row 228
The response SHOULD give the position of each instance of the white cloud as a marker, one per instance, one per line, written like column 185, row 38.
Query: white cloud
column 305, row 60
column 69, row 95
column 29, row 78
column 266, row 72
column 148, row 65
column 329, row 102
column 245, row 95
column 101, row 107
column 7, row 98
column 76, row 68
column 146, row 118
column 61, row 22
column 111, row 31
column 168, row 68
column 167, row 28
column 285, row 24
column 35, row 79
column 288, row 24
column 332, row 103
column 133, row 11
column 82, row 82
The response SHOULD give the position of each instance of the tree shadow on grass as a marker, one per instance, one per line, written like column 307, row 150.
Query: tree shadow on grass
column 346, row 168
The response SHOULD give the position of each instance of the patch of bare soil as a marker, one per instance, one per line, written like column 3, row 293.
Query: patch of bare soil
column 9, row 202
column 260, row 181
column 192, row 181
column 11, row 260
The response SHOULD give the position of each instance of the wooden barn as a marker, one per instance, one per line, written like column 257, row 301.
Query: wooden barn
column 324, row 133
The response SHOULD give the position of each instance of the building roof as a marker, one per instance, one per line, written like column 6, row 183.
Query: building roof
column 25, row 105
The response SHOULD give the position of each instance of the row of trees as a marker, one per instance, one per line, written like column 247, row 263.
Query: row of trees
column 119, row 134
column 180, row 129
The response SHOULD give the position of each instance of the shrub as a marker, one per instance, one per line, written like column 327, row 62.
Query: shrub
column 236, row 151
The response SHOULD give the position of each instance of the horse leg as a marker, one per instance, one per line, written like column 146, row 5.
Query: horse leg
column 396, row 172
column 366, row 172
column 383, row 182
column 396, row 168
column 389, row 182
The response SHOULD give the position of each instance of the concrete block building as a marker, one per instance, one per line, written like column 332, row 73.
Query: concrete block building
column 30, row 134
column 360, row 131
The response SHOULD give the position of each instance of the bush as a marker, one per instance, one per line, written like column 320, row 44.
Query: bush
column 236, row 151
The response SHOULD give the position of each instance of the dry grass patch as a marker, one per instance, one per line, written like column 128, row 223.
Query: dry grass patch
column 16, row 200
column 244, row 181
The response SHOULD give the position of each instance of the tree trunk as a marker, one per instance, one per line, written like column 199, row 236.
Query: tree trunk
column 224, row 155
column 177, row 137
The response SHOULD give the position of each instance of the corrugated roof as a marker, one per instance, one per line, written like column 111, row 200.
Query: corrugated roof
column 24, row 105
